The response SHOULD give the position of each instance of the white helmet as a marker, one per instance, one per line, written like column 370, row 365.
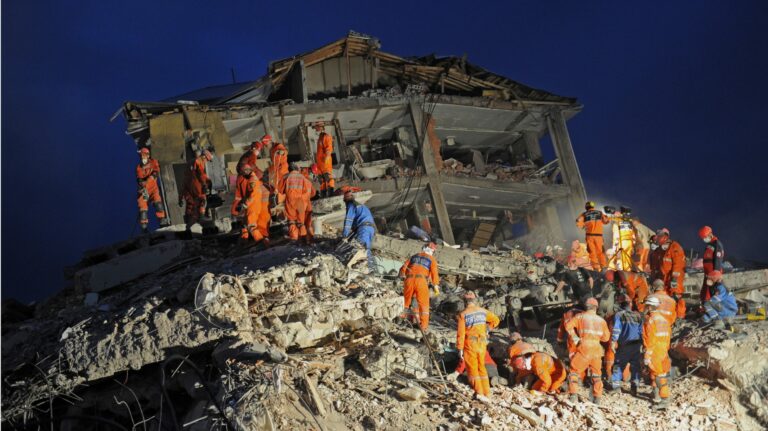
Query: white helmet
column 652, row 301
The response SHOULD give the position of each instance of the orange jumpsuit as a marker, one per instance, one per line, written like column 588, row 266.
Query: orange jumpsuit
column 264, row 215
column 519, row 348
column 668, row 307
column 657, row 333
column 673, row 271
column 562, row 333
column 419, row 271
column 472, row 339
column 308, row 213
column 324, row 161
column 241, row 191
column 592, row 221
column 550, row 372
column 279, row 167
column 592, row 330
column 636, row 287
column 249, row 157
column 253, row 205
column 146, row 176
column 297, row 191
column 195, row 190
column 643, row 235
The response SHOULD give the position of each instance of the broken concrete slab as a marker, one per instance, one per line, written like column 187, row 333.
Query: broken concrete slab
column 127, row 267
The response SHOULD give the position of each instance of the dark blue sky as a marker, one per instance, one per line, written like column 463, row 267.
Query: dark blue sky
column 674, row 94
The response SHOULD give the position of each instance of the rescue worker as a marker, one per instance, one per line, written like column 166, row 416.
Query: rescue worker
column 472, row 340
column 673, row 269
column 298, row 191
column 278, row 169
column 195, row 189
column 324, row 161
column 657, row 333
column 592, row 222
column 241, row 192
column 359, row 224
column 578, row 279
column 516, row 349
column 147, row 172
column 636, row 287
column 667, row 306
column 418, row 273
column 625, row 343
column 265, row 216
column 643, row 236
column 577, row 309
column 712, row 260
column 587, row 330
column 250, row 156
column 490, row 368
column 623, row 239
column 312, row 196
column 721, row 303
column 549, row 372
column 654, row 259
column 579, row 253
column 253, row 206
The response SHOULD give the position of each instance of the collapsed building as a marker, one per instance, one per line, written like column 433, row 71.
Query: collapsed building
column 431, row 137
column 168, row 331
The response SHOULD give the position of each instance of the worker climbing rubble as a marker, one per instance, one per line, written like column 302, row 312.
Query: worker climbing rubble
column 592, row 222
column 419, row 273
column 324, row 161
column 721, row 303
column 626, row 343
column 657, row 333
column 195, row 189
column 147, row 177
column 672, row 269
column 359, row 225
column 712, row 259
column 472, row 340
column 547, row 371
column 298, row 191
column 587, row 330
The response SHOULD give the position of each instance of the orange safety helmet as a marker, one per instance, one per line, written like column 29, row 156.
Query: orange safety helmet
column 705, row 231
column 144, row 151
column 245, row 167
column 266, row 139
column 715, row 275
column 591, row 302
column 519, row 362
column 315, row 170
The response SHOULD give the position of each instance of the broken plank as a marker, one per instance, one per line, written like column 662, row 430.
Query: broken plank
column 314, row 396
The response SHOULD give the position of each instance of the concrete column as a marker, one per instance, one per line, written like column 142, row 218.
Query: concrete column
column 532, row 146
column 433, row 175
column 567, row 159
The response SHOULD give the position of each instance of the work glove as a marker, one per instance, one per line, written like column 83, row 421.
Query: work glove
column 452, row 377
column 205, row 190
column 461, row 355
column 675, row 297
column 145, row 194
column 436, row 290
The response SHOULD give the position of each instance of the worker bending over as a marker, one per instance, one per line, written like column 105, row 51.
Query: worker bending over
column 672, row 268
column 252, row 154
column 359, row 224
column 418, row 273
column 587, row 330
column 657, row 333
column 298, row 191
column 243, row 193
column 592, row 222
column 626, row 342
column 712, row 260
column 721, row 303
column 472, row 340
column 549, row 372
column 147, row 173
column 516, row 349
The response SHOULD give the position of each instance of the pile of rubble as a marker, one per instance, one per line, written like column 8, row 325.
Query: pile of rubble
column 292, row 337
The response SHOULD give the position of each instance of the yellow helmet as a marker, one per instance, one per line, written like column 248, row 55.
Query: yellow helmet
column 589, row 205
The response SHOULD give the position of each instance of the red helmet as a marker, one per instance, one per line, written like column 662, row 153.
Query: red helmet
column 245, row 167
column 266, row 139
column 715, row 275
column 705, row 231
column 315, row 169
column 144, row 151
column 610, row 275
column 591, row 302
column 519, row 362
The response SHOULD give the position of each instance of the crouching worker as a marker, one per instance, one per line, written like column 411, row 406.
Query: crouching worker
column 517, row 349
column 721, row 304
column 548, row 372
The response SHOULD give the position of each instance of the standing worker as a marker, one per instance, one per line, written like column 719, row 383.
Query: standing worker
column 472, row 340
column 147, row 173
column 359, row 224
column 592, row 222
column 643, row 236
column 721, row 303
column 252, row 204
column 324, row 161
column 712, row 260
column 673, row 269
column 667, row 306
column 623, row 240
column 549, row 372
column 625, row 343
column 587, row 330
column 278, row 169
column 196, row 188
column 298, row 191
column 657, row 333
column 578, row 279
column 418, row 273
column 577, row 309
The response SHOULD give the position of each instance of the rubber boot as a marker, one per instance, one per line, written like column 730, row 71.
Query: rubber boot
column 656, row 397
column 662, row 404
column 634, row 389
column 144, row 228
